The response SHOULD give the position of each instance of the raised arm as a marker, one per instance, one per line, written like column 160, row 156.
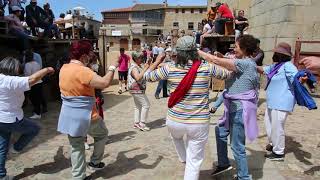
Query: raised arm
column 99, row 82
column 158, row 74
column 223, row 62
column 34, row 78
column 138, row 76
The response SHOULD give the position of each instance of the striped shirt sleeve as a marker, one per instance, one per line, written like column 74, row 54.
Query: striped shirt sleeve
column 219, row 72
column 158, row 74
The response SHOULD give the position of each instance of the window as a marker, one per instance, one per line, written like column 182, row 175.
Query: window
column 200, row 11
column 190, row 26
column 177, row 10
column 176, row 24
column 183, row 10
column 192, row 11
column 111, row 44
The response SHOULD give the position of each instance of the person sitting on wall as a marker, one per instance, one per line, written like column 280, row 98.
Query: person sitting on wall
column 207, row 30
column 19, row 4
column 36, row 17
column 16, row 28
column 54, row 30
column 242, row 24
column 224, row 15
column 212, row 13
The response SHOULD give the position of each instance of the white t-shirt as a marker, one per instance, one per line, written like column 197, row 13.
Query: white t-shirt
column 31, row 68
column 207, row 28
column 68, row 24
column 12, row 90
column 155, row 50
column 160, row 50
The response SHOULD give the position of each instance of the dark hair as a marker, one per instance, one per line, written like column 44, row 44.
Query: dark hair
column 122, row 50
column 204, row 22
column 184, row 56
column 241, row 11
column 28, row 56
column 80, row 48
column 62, row 15
column 248, row 44
column 278, row 57
column 10, row 66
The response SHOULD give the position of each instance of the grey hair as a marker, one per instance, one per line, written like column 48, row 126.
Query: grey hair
column 184, row 56
column 10, row 66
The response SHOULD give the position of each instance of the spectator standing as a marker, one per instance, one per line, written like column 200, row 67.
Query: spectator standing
column 137, row 87
column 224, row 15
column 242, row 24
column 36, row 92
column 258, row 56
column 155, row 52
column 3, row 4
column 12, row 120
column 37, row 17
column 123, row 61
column 163, row 84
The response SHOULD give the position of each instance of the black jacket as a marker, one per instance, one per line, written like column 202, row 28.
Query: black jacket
column 38, row 13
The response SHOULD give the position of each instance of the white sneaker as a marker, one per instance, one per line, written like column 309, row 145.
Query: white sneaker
column 35, row 116
column 7, row 178
column 86, row 146
column 13, row 151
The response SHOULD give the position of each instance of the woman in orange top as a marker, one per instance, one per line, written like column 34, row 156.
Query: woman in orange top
column 79, row 115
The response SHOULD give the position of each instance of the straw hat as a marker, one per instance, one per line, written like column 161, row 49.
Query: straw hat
column 283, row 48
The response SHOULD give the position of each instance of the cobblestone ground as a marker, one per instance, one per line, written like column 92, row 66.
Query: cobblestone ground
column 135, row 155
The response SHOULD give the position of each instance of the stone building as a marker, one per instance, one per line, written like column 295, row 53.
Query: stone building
column 183, row 17
column 132, row 27
column 280, row 20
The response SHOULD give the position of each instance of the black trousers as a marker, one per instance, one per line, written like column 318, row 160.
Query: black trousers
column 219, row 25
column 37, row 99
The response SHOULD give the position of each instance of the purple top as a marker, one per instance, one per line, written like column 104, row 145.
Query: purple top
column 249, row 103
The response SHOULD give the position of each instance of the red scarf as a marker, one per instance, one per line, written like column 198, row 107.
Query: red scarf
column 184, row 85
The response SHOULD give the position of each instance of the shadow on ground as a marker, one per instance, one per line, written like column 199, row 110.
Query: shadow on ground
column 124, row 165
column 60, row 163
column 295, row 147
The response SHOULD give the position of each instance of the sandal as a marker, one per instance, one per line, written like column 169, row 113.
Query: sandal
column 120, row 91
column 144, row 127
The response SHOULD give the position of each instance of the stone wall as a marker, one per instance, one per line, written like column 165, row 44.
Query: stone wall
column 275, row 21
column 183, row 19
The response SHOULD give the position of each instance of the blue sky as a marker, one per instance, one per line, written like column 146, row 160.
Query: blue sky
column 96, row 6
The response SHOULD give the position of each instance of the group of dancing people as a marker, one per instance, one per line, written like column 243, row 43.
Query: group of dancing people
column 188, row 75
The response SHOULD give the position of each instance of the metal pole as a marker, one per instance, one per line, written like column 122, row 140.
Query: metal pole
column 104, row 52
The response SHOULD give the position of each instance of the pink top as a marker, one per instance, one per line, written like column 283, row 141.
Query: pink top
column 124, row 62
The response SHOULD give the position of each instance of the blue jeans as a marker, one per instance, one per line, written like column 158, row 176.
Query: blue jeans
column 22, row 35
column 162, row 85
column 238, row 138
column 28, row 130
